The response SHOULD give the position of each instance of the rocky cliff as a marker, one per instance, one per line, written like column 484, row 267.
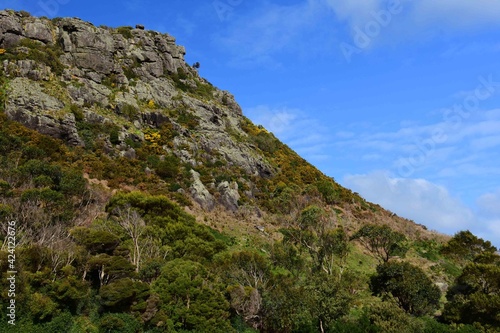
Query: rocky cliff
column 65, row 71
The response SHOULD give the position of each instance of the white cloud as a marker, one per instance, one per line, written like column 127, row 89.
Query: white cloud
column 355, row 11
column 254, row 36
column 416, row 199
column 457, row 13
column 276, row 120
column 452, row 13
column 446, row 148
column 488, row 209
column 300, row 131
column 430, row 204
column 489, row 204
column 317, row 27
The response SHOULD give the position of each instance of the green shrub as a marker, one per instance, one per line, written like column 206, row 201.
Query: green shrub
column 181, row 199
column 31, row 152
column 119, row 323
column 37, row 51
column 125, row 31
column 5, row 211
column 110, row 81
column 43, row 181
column 428, row 249
column 266, row 142
column 168, row 168
column 72, row 183
column 114, row 136
column 134, row 144
column 36, row 168
column 187, row 119
column 77, row 112
column 129, row 111
column 360, row 325
column 61, row 323
column 328, row 191
column 388, row 318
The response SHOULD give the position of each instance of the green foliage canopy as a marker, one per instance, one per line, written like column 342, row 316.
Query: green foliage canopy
column 409, row 285
column 381, row 241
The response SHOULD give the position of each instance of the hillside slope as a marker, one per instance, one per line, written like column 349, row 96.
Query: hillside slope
column 129, row 93
column 126, row 173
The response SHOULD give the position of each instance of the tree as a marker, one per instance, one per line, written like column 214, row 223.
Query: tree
column 288, row 256
column 191, row 299
column 120, row 295
column 169, row 229
column 248, row 269
column 381, row 241
column 464, row 245
column 247, row 303
column 109, row 268
column 309, row 225
column 134, row 226
column 286, row 306
column 119, row 323
column 475, row 296
column 330, row 300
column 247, row 274
column 333, row 250
column 95, row 240
column 412, row 289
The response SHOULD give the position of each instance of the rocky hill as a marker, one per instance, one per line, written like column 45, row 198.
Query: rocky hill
column 122, row 167
column 67, row 76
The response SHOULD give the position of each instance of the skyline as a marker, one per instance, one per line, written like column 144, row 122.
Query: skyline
column 396, row 100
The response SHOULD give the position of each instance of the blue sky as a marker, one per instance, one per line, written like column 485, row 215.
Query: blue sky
column 398, row 100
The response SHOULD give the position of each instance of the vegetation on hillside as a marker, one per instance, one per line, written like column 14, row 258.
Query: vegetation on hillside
column 143, row 264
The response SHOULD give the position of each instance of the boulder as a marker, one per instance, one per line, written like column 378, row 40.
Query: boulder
column 229, row 195
column 39, row 30
column 200, row 193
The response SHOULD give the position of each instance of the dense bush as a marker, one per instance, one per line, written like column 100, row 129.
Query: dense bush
column 475, row 296
column 412, row 289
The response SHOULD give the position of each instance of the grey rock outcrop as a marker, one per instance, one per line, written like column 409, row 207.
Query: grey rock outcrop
column 10, row 29
column 98, row 51
column 39, row 30
column 129, row 79
column 31, row 106
column 229, row 195
column 28, row 68
column 200, row 193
